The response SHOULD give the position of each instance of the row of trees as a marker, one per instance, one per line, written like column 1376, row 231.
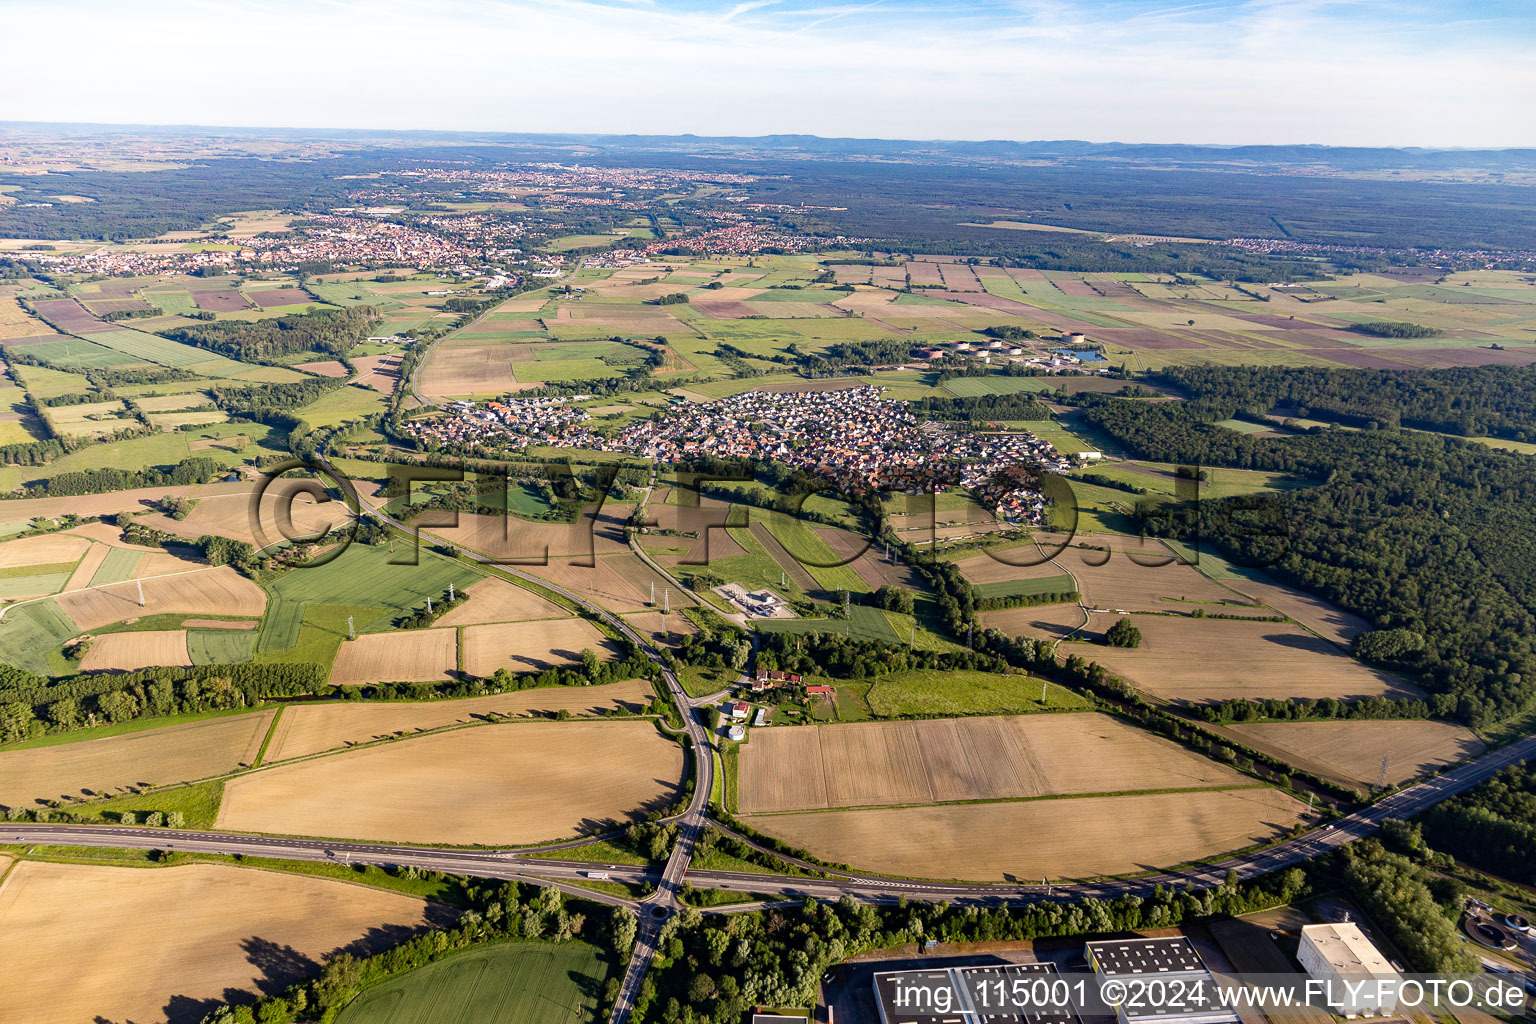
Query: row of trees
column 712, row 970
column 198, row 469
column 31, row 705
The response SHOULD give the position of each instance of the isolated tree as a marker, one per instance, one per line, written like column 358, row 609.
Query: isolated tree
column 1123, row 634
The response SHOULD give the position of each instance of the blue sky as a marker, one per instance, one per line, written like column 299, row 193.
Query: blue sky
column 1347, row 72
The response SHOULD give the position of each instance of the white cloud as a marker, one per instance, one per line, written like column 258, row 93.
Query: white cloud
column 1335, row 71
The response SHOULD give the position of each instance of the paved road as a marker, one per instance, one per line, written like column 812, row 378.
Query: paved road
column 663, row 903
column 508, row 864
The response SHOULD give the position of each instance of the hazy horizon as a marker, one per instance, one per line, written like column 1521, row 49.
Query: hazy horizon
column 1365, row 73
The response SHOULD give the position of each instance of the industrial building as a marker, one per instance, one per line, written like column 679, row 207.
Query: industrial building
column 1174, row 957
column 1339, row 952
column 961, row 995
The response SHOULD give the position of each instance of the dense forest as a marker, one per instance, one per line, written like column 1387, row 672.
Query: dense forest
column 1482, row 401
column 331, row 332
column 1411, row 531
column 1493, row 826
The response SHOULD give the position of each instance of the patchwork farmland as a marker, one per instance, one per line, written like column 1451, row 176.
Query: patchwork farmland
column 953, row 760
column 501, row 784
column 154, row 757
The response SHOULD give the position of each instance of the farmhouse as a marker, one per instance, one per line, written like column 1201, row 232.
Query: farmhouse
column 1340, row 953
column 1172, row 958
column 819, row 691
column 772, row 679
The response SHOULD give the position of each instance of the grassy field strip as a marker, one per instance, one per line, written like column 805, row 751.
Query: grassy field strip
column 267, row 740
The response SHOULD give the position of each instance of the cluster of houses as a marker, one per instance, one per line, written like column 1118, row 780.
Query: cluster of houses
column 518, row 422
column 325, row 238
column 852, row 437
column 767, row 681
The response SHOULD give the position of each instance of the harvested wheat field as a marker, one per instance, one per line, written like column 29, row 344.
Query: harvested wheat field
column 498, row 784
column 664, row 628
column 1314, row 613
column 49, row 549
column 213, row 591
column 1082, row 837
column 404, row 656
column 1044, row 622
column 154, row 757
column 1351, row 752
column 464, row 366
column 229, row 515
column 1161, row 585
column 220, row 623
column 495, row 600
column 124, row 652
column 104, row 504
column 531, row 646
column 1185, row 659
column 520, row 541
column 1022, row 562
column 310, row 728
column 619, row 582
column 993, row 758
column 151, row 944
column 87, row 566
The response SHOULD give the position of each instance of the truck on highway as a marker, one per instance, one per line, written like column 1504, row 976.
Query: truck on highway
column 599, row 875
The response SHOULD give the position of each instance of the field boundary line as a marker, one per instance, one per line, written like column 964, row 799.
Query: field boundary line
column 81, row 590
column 266, row 741
column 1008, row 800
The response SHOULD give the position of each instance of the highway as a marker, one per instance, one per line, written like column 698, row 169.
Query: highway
column 663, row 904
column 518, row 864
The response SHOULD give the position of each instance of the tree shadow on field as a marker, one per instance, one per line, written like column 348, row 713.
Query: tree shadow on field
column 187, row 1010
column 280, row 966
column 387, row 936
column 1316, row 645
column 589, row 987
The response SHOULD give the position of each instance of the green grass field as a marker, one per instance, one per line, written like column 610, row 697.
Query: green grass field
column 363, row 577
column 340, row 404
column 29, row 632
column 1026, row 588
column 523, row 982
column 863, row 622
column 974, row 387
column 220, row 646
column 155, row 349
column 813, row 553
column 926, row 692
column 74, row 352
column 117, row 566
column 35, row 583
